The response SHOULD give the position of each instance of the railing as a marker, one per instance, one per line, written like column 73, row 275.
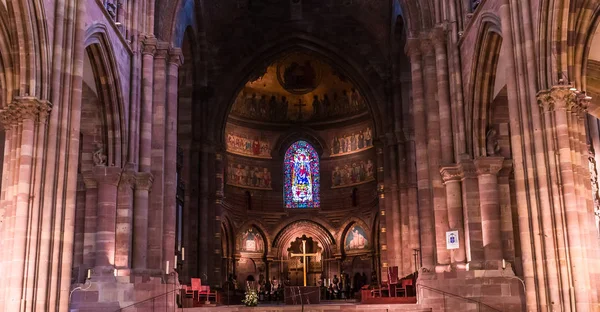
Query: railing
column 162, row 302
column 445, row 295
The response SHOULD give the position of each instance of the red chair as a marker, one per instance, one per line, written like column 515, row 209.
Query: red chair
column 194, row 290
column 205, row 292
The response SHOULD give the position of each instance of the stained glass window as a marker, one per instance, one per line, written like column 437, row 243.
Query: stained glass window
column 301, row 175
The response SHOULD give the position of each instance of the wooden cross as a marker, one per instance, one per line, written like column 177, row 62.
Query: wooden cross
column 304, row 255
column 300, row 105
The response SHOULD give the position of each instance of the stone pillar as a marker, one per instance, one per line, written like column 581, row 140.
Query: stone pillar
column 472, row 215
column 451, row 176
column 79, row 224
column 434, row 153
column 175, row 59
column 219, row 194
column 26, row 116
column 487, row 174
column 443, row 88
column 125, row 220
column 143, row 184
column 148, row 50
column 155, row 260
column 108, row 179
column 91, row 207
column 426, row 229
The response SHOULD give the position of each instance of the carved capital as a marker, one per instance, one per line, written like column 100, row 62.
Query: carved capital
column 175, row 57
column 128, row 179
column 144, row 180
column 467, row 169
column 149, row 45
column 413, row 48
column 107, row 175
column 25, row 108
column 89, row 182
column 545, row 101
column 489, row 165
column 451, row 173
column 562, row 97
column 162, row 50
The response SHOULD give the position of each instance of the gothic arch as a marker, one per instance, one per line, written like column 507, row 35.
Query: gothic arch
column 26, row 23
column 101, row 56
column 485, row 64
column 310, row 228
column 308, row 135
column 566, row 28
column 255, row 224
column 366, row 82
column 346, row 226
column 259, row 226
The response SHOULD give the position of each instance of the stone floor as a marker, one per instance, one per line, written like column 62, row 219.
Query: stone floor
column 323, row 307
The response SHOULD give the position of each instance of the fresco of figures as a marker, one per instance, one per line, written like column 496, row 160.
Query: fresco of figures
column 248, row 146
column 249, row 176
column 352, row 142
column 352, row 173
column 356, row 239
column 251, row 241
column 311, row 107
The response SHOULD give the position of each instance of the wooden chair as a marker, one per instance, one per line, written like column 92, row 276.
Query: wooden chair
column 194, row 289
column 378, row 291
column 205, row 292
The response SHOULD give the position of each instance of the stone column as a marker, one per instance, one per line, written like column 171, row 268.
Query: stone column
column 148, row 50
column 426, row 229
column 26, row 116
column 155, row 260
column 79, row 224
column 143, row 184
column 124, row 220
column 434, row 152
column 175, row 59
column 91, row 207
column 451, row 176
column 487, row 174
column 108, row 179
column 472, row 215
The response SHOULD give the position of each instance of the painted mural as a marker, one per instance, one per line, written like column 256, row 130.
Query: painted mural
column 356, row 239
column 251, row 241
column 298, row 87
column 248, row 145
column 247, row 176
column 352, row 142
column 352, row 173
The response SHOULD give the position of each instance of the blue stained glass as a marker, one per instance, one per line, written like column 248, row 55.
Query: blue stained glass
column 301, row 176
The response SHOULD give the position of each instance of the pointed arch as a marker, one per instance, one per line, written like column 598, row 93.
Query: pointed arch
column 110, row 94
column 485, row 64
column 301, row 176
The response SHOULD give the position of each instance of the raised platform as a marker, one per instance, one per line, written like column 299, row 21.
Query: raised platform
column 323, row 307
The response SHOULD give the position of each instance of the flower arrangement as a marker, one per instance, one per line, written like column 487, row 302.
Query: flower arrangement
column 251, row 295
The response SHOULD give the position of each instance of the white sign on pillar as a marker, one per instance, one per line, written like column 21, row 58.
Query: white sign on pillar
column 452, row 240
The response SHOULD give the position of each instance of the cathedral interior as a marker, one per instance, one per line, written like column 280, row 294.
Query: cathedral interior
column 150, row 144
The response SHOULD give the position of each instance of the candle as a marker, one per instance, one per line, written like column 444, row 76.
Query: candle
column 182, row 253
column 503, row 264
column 89, row 273
column 167, row 268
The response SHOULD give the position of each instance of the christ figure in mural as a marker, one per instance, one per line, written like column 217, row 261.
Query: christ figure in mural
column 301, row 178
